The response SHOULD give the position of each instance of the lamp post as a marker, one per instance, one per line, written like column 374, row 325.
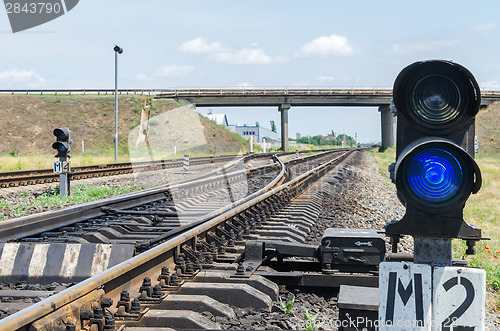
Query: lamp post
column 118, row 50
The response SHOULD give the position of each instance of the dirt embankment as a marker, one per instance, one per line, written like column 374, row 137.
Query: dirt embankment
column 488, row 130
column 28, row 121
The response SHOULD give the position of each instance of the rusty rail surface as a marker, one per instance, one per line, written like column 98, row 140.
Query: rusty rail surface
column 66, row 305
column 32, row 224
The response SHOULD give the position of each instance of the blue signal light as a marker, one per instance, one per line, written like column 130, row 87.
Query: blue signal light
column 434, row 175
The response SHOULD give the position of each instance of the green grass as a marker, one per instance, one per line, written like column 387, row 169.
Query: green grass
column 4, row 205
column 79, row 194
column 382, row 160
column 20, row 209
column 28, row 162
column 311, row 323
column 287, row 304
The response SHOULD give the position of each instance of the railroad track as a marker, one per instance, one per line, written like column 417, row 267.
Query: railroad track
column 46, row 176
column 223, row 261
column 43, row 176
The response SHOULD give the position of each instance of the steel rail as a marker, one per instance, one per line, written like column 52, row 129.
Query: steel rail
column 44, row 176
column 31, row 225
column 24, row 318
column 41, row 176
column 129, row 273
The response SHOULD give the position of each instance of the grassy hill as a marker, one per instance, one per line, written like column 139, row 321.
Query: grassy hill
column 28, row 122
column 488, row 131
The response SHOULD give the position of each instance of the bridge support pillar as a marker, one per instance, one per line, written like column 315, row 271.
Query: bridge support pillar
column 388, row 122
column 284, row 126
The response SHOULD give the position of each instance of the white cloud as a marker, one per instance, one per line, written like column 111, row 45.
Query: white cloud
column 324, row 79
column 245, row 85
column 173, row 71
column 200, row 45
column 244, row 56
column 220, row 53
column 142, row 77
column 28, row 77
column 422, row 46
column 485, row 26
column 493, row 84
column 167, row 71
column 326, row 46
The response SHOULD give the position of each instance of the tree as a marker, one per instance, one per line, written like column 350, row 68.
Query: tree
column 273, row 126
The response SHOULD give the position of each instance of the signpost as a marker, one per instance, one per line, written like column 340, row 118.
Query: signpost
column 62, row 167
column 435, row 173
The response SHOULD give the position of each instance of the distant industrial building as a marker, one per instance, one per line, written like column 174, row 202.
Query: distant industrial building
column 257, row 131
column 219, row 119
column 246, row 131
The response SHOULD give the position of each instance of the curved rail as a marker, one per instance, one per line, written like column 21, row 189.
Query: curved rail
column 46, row 221
column 44, row 176
column 33, row 224
column 24, row 318
column 130, row 273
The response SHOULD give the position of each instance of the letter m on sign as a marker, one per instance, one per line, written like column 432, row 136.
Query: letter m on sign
column 405, row 296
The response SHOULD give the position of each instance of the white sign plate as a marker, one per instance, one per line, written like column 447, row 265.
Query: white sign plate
column 57, row 167
column 405, row 296
column 459, row 299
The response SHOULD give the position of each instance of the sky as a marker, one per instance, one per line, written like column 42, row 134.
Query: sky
column 257, row 44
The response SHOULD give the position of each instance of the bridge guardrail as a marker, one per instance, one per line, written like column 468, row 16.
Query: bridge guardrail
column 179, row 92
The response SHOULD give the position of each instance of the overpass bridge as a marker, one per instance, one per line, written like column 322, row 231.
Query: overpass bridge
column 282, row 98
column 286, row 98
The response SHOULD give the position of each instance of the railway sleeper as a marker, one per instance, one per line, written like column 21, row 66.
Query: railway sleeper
column 43, row 263
column 251, row 283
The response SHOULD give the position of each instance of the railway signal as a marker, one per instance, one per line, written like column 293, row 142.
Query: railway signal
column 62, row 167
column 63, row 143
column 435, row 171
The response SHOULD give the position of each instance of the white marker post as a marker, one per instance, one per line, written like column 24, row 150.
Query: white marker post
column 264, row 142
column 459, row 296
column 421, row 297
column 185, row 163
column 405, row 296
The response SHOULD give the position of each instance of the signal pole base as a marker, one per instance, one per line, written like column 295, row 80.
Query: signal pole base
column 432, row 251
